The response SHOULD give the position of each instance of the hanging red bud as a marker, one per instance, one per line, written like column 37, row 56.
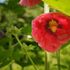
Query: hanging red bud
column 29, row 2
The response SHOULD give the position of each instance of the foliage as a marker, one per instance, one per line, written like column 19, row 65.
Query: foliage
column 61, row 5
column 16, row 20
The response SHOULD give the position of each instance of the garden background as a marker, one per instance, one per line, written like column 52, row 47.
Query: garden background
column 18, row 51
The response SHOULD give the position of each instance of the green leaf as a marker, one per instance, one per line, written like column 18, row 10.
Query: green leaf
column 20, row 57
column 66, row 45
column 26, row 30
column 13, row 5
column 5, row 56
column 61, row 5
column 62, row 66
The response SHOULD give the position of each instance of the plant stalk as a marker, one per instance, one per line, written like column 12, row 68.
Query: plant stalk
column 58, row 60
column 47, row 55
column 25, row 50
column 47, row 61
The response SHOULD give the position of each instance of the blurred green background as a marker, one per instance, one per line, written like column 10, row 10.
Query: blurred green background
column 15, row 29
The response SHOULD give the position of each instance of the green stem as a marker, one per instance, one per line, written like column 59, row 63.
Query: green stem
column 46, row 62
column 11, row 67
column 47, row 55
column 26, row 52
column 22, row 68
column 10, row 45
column 58, row 59
column 68, row 66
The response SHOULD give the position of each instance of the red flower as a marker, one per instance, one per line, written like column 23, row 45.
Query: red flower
column 51, row 30
column 29, row 2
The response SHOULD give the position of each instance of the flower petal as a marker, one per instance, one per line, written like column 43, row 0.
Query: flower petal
column 47, row 40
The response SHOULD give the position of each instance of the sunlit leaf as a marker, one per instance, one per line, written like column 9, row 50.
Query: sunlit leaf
column 61, row 5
